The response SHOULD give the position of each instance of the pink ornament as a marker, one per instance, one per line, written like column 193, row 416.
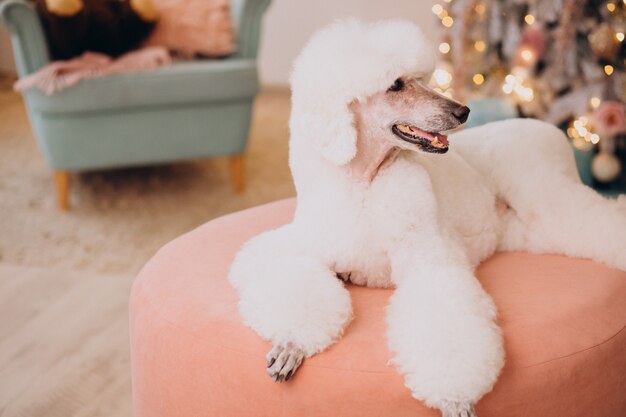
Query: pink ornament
column 534, row 38
column 609, row 119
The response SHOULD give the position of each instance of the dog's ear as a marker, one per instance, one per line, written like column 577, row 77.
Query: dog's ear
column 331, row 132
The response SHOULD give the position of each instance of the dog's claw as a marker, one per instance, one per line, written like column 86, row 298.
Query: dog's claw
column 457, row 409
column 283, row 360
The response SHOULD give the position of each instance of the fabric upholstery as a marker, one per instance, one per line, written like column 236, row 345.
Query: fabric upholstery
column 146, row 135
column 29, row 42
column 563, row 322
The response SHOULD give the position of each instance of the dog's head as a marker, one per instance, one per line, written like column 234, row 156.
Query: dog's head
column 375, row 73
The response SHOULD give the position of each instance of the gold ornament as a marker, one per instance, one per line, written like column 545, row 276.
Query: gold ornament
column 65, row 8
column 145, row 9
column 603, row 42
column 605, row 167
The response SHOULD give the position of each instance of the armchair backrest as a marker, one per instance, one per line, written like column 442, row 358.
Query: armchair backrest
column 31, row 49
column 29, row 43
column 247, row 15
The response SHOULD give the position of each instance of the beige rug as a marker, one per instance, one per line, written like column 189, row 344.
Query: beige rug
column 120, row 218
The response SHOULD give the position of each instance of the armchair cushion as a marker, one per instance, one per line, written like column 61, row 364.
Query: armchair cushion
column 181, row 83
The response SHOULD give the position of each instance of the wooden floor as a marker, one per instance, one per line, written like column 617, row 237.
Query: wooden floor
column 63, row 344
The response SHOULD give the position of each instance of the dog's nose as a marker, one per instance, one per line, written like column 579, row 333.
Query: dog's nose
column 460, row 113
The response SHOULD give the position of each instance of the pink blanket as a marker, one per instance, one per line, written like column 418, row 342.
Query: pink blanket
column 59, row 75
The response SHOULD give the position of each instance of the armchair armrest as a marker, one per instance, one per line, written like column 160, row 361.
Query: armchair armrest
column 247, row 15
column 29, row 42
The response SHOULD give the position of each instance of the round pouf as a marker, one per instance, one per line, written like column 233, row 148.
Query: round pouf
column 563, row 322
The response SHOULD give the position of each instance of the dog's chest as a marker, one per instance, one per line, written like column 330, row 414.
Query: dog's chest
column 378, row 217
column 402, row 200
column 467, row 207
column 364, row 264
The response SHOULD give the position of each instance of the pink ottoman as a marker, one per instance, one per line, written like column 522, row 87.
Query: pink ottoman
column 563, row 321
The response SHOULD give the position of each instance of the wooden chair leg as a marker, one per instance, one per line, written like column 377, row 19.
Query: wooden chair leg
column 62, row 182
column 237, row 165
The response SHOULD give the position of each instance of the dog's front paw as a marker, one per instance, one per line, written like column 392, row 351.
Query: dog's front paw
column 283, row 360
column 457, row 409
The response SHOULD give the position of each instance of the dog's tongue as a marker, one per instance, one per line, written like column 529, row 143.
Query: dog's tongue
column 433, row 137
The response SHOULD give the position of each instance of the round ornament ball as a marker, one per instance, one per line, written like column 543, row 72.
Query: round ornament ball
column 603, row 42
column 605, row 167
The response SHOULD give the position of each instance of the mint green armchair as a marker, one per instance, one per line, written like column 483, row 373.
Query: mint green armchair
column 188, row 110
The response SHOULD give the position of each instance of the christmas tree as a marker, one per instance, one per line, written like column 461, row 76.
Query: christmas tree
column 562, row 61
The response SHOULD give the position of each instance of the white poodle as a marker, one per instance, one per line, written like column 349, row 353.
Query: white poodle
column 383, row 203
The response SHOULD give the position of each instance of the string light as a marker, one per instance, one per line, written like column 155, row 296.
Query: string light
column 595, row 102
column 447, row 21
column 478, row 79
column 527, row 54
column 514, row 84
column 571, row 132
column 580, row 133
column 619, row 36
column 442, row 78
column 526, row 93
column 519, row 84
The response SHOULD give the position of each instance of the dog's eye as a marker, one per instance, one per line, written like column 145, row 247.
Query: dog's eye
column 397, row 85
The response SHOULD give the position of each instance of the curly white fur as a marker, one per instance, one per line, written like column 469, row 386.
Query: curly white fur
column 422, row 225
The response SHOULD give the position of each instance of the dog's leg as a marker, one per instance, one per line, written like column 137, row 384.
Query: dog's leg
column 533, row 170
column 566, row 217
column 290, row 297
column 441, row 325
